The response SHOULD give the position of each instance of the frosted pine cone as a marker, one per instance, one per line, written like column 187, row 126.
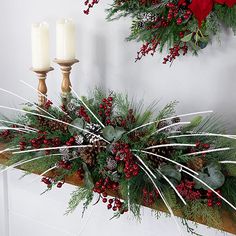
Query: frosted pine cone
column 94, row 129
column 111, row 163
column 79, row 139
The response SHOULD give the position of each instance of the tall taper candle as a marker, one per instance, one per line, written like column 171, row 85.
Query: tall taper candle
column 40, row 46
column 65, row 41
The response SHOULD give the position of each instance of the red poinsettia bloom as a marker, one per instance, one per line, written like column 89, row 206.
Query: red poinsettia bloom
column 202, row 8
column 229, row 3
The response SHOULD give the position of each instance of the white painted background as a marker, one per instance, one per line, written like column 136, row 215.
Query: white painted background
column 199, row 83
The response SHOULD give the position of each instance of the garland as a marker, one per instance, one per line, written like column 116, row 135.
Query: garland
column 178, row 25
column 139, row 156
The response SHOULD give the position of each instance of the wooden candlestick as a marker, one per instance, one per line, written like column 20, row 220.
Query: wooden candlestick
column 42, row 87
column 66, row 66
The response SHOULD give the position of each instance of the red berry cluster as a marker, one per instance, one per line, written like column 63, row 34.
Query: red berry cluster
column 70, row 142
column 115, row 204
column 103, row 185
column 147, row 2
column 22, row 145
column 213, row 199
column 5, row 133
column 149, row 197
column 82, row 113
column 49, row 182
column 177, row 12
column 66, row 165
column 124, row 154
column 42, row 141
column 105, row 109
column 200, row 146
column 148, row 47
column 48, row 104
column 39, row 141
column 123, row 122
column 187, row 190
column 89, row 5
column 80, row 173
column 175, row 52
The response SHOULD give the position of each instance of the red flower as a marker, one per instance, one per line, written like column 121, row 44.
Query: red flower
column 202, row 8
column 229, row 3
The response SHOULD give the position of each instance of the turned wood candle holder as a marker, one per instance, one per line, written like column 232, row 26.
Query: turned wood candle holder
column 42, row 87
column 66, row 66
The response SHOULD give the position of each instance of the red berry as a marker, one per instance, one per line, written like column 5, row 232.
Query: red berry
column 110, row 99
column 179, row 21
column 110, row 201
column 109, row 206
column 128, row 176
column 135, row 167
column 104, row 200
column 210, row 203
column 114, row 208
column 72, row 140
column 186, row 16
column 114, row 186
column 59, row 185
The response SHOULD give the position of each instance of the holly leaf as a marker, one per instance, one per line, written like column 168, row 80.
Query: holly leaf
column 170, row 171
column 214, row 177
column 108, row 133
column 187, row 38
column 118, row 133
column 88, row 180
column 78, row 122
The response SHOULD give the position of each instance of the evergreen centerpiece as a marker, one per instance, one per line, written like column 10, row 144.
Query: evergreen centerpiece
column 129, row 156
column 178, row 25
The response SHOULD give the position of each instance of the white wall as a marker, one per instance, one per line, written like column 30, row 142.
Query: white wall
column 199, row 83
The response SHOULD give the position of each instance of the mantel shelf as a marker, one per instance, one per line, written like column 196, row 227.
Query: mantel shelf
column 228, row 224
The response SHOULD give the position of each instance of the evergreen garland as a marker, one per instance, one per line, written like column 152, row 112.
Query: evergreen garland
column 128, row 155
column 179, row 26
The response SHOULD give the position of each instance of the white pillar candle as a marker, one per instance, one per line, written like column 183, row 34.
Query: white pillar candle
column 65, row 42
column 40, row 46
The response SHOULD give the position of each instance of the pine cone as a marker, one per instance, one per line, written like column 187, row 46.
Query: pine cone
column 111, row 163
column 54, row 125
column 94, row 129
column 87, row 155
column 136, row 136
column 196, row 164
column 162, row 151
column 175, row 120
column 162, row 124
